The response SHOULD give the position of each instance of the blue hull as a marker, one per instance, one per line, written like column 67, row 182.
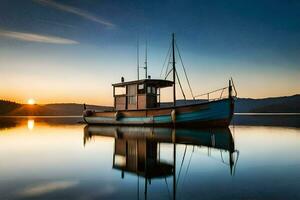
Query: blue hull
column 215, row 113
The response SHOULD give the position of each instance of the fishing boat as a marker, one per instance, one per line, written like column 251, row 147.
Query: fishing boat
column 139, row 103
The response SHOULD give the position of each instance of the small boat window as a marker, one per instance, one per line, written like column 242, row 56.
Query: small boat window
column 131, row 93
column 141, row 86
column 149, row 90
column 141, row 89
column 153, row 90
column 120, row 90
column 131, row 90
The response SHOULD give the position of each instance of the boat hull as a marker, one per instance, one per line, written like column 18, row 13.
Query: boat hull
column 209, row 114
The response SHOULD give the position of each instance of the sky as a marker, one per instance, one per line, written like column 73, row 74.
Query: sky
column 73, row 50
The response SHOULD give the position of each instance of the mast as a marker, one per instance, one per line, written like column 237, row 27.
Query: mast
column 146, row 62
column 138, row 60
column 174, row 69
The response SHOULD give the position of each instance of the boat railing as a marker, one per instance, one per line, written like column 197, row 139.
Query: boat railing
column 219, row 93
column 214, row 95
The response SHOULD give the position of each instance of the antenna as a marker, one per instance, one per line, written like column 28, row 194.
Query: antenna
column 138, row 60
column 146, row 62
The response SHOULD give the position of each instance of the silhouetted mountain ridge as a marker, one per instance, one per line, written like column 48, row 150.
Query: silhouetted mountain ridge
column 57, row 109
column 285, row 104
column 8, row 106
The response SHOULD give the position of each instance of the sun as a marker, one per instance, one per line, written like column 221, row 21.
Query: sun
column 30, row 101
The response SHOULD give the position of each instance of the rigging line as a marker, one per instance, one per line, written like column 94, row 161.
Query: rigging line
column 181, row 165
column 233, row 87
column 222, row 156
column 237, row 158
column 169, row 193
column 168, row 74
column 187, row 79
column 161, row 72
column 169, row 61
column 180, row 86
column 188, row 167
column 214, row 158
column 221, row 94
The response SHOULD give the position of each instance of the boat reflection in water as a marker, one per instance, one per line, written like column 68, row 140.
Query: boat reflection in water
column 137, row 149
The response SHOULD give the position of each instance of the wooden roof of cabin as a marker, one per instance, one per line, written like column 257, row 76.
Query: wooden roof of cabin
column 160, row 83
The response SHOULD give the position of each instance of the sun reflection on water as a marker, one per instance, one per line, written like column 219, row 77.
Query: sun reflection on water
column 30, row 124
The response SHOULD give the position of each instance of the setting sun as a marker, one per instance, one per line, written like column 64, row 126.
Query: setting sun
column 31, row 101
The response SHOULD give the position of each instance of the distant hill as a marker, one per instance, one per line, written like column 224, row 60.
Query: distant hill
column 64, row 109
column 31, row 110
column 8, row 106
column 289, row 104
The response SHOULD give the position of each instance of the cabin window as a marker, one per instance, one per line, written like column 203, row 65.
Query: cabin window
column 131, row 90
column 141, row 89
column 151, row 90
column 120, row 90
column 141, row 86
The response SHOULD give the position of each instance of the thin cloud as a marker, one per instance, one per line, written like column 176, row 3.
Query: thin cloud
column 31, row 37
column 75, row 11
column 48, row 187
column 55, row 23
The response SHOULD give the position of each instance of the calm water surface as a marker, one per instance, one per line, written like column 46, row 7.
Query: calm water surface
column 58, row 158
